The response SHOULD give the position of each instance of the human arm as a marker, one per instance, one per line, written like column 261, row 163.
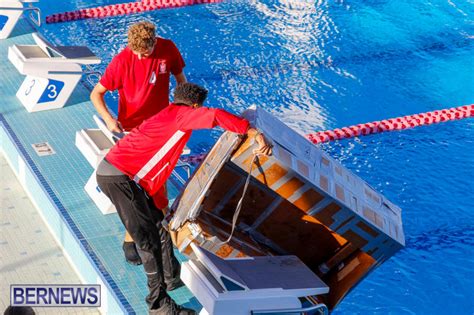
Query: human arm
column 110, row 81
column 208, row 118
column 177, row 64
column 180, row 78
column 97, row 99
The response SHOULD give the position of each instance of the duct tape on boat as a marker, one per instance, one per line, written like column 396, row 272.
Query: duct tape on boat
column 195, row 229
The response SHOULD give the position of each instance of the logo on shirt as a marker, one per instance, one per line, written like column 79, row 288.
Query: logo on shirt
column 162, row 67
column 152, row 78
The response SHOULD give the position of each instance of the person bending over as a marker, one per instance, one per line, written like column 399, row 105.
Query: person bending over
column 139, row 165
column 141, row 74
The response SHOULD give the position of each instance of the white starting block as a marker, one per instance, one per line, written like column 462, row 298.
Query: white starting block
column 95, row 193
column 52, row 72
column 10, row 12
column 94, row 145
column 255, row 285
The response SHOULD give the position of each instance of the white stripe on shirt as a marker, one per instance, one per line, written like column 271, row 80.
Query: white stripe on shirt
column 159, row 172
column 159, row 155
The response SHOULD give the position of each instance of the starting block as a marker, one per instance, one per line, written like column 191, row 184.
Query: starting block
column 94, row 145
column 52, row 72
column 10, row 12
column 95, row 193
column 251, row 285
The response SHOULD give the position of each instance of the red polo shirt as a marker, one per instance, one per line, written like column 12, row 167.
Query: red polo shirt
column 143, row 84
column 150, row 152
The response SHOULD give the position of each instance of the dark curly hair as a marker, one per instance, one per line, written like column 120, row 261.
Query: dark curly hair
column 189, row 93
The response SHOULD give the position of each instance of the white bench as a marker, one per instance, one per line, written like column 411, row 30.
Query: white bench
column 10, row 12
column 52, row 72
column 238, row 286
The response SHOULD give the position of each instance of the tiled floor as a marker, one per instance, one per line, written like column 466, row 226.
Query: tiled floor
column 28, row 252
column 64, row 174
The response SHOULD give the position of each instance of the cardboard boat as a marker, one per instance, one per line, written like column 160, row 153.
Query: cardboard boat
column 299, row 201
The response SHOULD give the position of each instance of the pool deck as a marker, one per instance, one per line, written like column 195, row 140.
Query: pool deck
column 90, row 240
column 28, row 251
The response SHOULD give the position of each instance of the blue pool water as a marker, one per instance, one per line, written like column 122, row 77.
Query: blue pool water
column 325, row 64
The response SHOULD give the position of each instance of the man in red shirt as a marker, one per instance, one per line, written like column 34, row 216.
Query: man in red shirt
column 139, row 165
column 141, row 74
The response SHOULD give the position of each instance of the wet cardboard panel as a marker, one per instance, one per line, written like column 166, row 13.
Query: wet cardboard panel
column 212, row 225
column 299, row 234
column 308, row 200
column 225, row 182
column 284, row 156
column 355, row 238
column 366, row 228
column 272, row 174
column 289, row 188
column 325, row 215
column 255, row 202
column 342, row 280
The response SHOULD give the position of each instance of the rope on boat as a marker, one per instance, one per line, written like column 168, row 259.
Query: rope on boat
column 241, row 200
column 399, row 123
column 122, row 9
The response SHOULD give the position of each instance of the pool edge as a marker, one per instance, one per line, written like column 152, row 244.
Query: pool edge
column 76, row 248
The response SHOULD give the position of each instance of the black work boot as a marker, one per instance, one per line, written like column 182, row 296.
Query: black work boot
column 169, row 307
column 174, row 285
column 131, row 254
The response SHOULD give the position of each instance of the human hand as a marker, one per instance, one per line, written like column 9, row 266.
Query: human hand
column 165, row 211
column 114, row 125
column 264, row 147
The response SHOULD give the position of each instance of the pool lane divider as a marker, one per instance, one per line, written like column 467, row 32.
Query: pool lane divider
column 122, row 9
column 399, row 123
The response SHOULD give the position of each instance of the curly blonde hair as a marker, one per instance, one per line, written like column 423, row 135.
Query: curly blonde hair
column 141, row 36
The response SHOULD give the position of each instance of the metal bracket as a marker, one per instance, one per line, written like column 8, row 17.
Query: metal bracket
column 90, row 74
column 32, row 10
column 186, row 166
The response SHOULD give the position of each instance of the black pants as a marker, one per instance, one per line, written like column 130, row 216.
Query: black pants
column 143, row 221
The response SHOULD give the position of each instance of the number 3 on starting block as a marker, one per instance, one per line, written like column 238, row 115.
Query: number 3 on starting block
column 52, row 77
column 41, row 94
column 52, row 91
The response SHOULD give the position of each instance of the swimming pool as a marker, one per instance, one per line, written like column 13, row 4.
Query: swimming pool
column 325, row 64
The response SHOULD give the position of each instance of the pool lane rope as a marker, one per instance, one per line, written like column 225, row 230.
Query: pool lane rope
column 399, row 123
column 122, row 9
